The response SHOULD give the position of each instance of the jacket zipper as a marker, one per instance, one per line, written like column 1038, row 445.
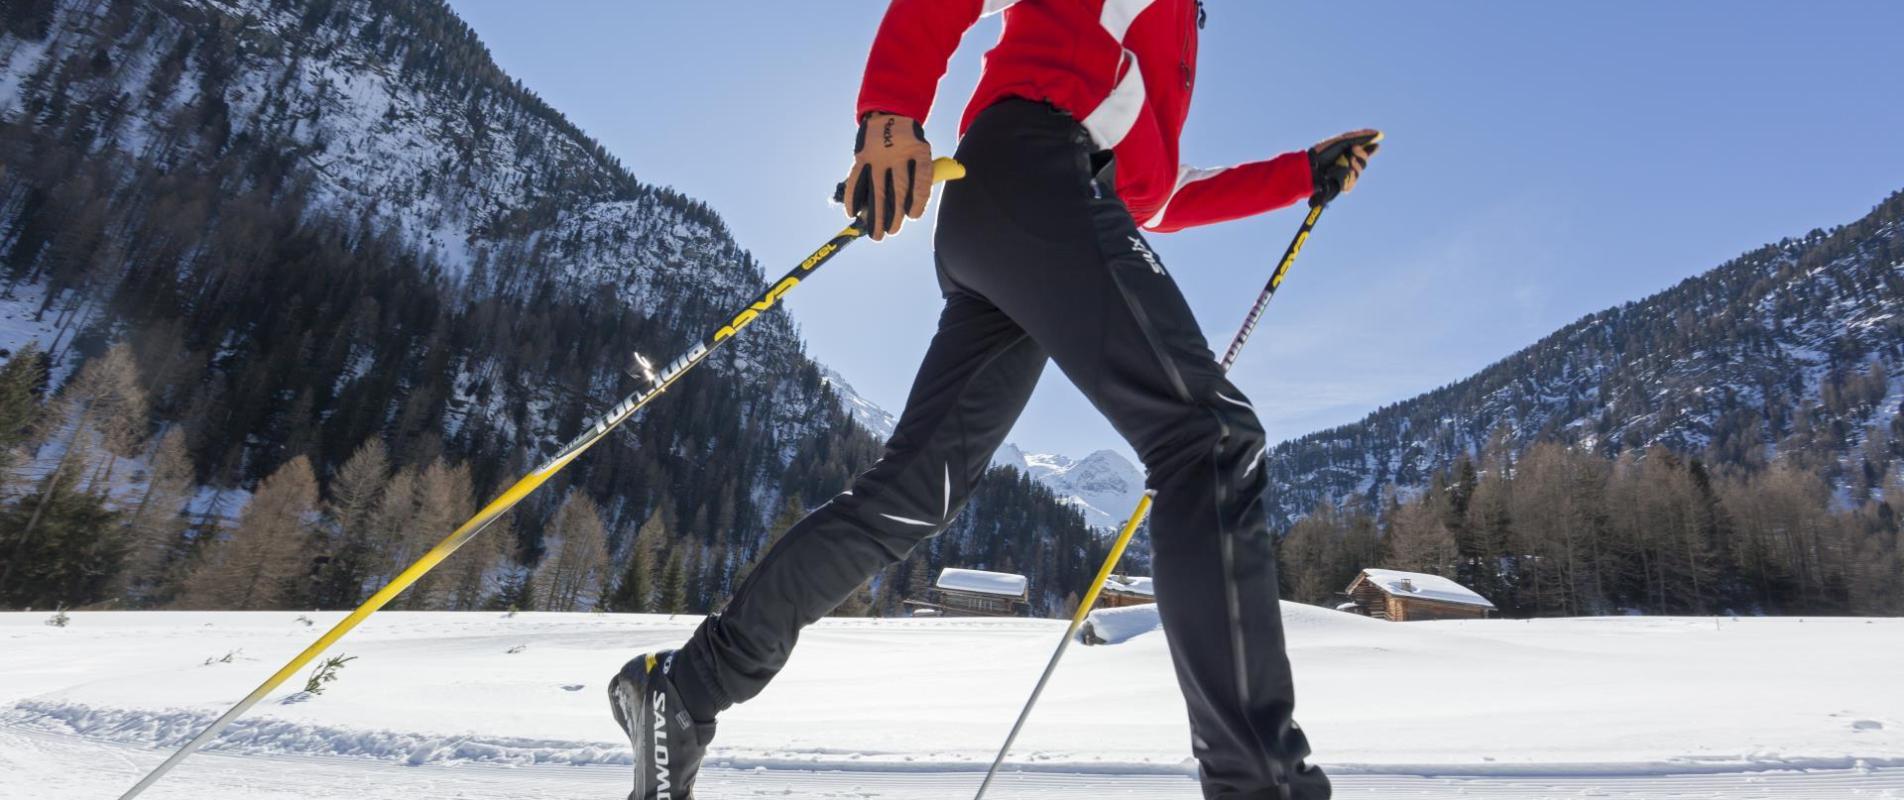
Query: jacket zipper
column 1189, row 29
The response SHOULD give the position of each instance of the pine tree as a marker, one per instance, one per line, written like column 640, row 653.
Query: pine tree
column 791, row 512
column 101, row 411
column 491, row 561
column 21, row 382
column 1419, row 542
column 570, row 575
column 263, row 555
column 156, row 523
column 1491, row 568
column 71, row 561
column 440, row 501
column 351, row 512
column 918, row 575
column 857, row 604
column 390, row 524
column 695, row 576
column 115, row 409
column 467, row 572
column 633, row 590
column 1307, row 551
column 673, row 593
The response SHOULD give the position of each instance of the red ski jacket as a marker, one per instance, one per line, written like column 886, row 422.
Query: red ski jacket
column 1123, row 67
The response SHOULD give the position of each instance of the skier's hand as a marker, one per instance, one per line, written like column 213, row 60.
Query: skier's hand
column 1337, row 163
column 892, row 174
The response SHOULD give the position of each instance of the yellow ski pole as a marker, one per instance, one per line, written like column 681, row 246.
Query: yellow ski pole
column 943, row 169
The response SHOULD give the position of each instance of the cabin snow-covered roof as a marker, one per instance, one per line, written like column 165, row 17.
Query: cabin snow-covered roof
column 1129, row 585
column 1424, row 586
column 1003, row 584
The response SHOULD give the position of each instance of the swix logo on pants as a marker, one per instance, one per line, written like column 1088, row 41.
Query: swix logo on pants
column 1150, row 258
column 663, row 791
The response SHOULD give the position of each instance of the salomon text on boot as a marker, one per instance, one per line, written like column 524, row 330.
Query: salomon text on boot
column 668, row 742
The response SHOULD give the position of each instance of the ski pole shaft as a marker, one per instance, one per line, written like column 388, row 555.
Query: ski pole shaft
column 1269, row 289
column 1143, row 504
column 944, row 169
column 1077, row 621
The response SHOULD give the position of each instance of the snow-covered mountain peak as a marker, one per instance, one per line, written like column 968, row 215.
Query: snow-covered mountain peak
column 1104, row 485
column 866, row 412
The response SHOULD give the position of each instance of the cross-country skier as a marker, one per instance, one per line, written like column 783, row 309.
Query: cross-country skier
column 1071, row 147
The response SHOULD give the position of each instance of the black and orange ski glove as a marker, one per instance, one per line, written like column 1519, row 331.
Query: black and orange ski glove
column 891, row 179
column 1335, row 164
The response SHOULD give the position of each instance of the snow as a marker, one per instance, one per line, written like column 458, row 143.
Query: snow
column 1119, row 625
column 978, row 580
column 880, row 422
column 1130, row 585
column 1104, row 485
column 1565, row 697
column 1427, row 587
column 37, row 766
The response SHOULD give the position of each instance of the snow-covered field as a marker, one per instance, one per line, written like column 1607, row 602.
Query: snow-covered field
column 483, row 705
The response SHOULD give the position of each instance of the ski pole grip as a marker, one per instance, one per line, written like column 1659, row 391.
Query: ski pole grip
column 944, row 168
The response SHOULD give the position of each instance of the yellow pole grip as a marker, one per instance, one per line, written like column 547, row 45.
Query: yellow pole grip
column 946, row 168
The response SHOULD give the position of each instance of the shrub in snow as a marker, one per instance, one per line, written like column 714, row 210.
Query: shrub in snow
column 325, row 673
column 59, row 618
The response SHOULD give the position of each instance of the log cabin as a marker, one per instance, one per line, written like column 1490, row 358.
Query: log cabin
column 1412, row 597
column 1125, row 590
column 974, row 593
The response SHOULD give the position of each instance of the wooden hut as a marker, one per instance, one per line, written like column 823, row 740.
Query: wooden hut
column 1412, row 597
column 1125, row 590
column 974, row 593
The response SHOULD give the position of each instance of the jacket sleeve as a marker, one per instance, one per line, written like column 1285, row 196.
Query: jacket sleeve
column 1204, row 196
column 910, row 52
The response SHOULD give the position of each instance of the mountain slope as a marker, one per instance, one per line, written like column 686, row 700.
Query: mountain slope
column 1796, row 349
column 1104, row 486
column 324, row 222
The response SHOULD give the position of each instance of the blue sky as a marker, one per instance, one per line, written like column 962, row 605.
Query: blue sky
column 1545, row 160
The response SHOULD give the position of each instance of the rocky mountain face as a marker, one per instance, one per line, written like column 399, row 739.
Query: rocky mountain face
column 876, row 420
column 327, row 221
column 1792, row 351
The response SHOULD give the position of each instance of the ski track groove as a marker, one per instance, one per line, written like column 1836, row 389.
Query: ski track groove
column 41, row 765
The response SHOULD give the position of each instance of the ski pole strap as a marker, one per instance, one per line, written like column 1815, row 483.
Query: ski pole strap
column 1269, row 290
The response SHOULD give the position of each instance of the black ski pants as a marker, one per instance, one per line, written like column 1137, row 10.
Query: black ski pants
column 1039, row 259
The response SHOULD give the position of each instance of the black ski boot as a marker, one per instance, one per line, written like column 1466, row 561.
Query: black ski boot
column 668, row 743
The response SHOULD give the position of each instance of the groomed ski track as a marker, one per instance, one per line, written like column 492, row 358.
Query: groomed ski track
column 40, row 766
column 490, row 706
